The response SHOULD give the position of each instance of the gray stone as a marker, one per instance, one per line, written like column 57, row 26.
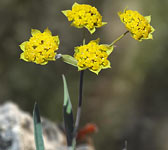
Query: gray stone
column 17, row 133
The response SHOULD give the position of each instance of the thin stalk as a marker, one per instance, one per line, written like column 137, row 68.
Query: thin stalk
column 120, row 37
column 78, row 115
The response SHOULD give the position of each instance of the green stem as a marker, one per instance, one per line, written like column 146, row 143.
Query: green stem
column 78, row 115
column 80, row 95
column 79, row 103
column 84, row 35
column 120, row 37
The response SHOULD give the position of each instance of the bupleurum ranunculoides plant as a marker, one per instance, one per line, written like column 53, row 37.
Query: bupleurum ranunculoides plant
column 83, row 15
column 138, row 25
column 42, row 47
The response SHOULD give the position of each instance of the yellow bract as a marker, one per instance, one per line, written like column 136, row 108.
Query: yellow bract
column 40, row 48
column 83, row 15
column 93, row 56
column 138, row 25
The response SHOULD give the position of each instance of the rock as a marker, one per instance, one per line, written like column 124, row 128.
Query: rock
column 17, row 133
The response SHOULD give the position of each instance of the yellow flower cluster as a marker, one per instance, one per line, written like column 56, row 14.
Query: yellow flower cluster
column 84, row 15
column 137, row 24
column 93, row 56
column 40, row 48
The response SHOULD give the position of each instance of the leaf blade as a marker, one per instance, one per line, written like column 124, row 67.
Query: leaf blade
column 68, row 114
column 38, row 135
column 69, row 60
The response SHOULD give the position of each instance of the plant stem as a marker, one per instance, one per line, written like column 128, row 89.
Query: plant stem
column 81, row 88
column 84, row 35
column 120, row 37
column 78, row 114
column 79, row 101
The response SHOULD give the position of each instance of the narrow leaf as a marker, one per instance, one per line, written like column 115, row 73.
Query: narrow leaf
column 69, row 60
column 38, row 135
column 68, row 115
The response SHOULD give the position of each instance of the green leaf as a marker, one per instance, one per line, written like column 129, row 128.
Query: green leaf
column 69, row 60
column 38, row 135
column 68, row 115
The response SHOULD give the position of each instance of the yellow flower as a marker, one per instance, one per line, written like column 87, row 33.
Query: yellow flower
column 40, row 48
column 83, row 15
column 138, row 25
column 93, row 56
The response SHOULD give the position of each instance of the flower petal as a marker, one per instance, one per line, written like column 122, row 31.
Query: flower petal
column 79, row 68
column 107, row 66
column 96, row 41
column 34, row 31
column 65, row 12
column 96, row 71
column 92, row 30
column 48, row 31
column 148, row 18
column 152, row 29
column 56, row 38
column 110, row 49
column 22, row 46
column 22, row 57
column 75, row 4
column 44, row 63
column 104, row 23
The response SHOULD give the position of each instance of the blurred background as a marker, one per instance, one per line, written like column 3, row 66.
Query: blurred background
column 127, row 102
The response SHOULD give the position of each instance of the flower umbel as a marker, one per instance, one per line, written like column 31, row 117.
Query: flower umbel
column 40, row 48
column 83, row 15
column 93, row 56
column 138, row 25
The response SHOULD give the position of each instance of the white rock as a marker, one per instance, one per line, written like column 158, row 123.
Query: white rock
column 17, row 133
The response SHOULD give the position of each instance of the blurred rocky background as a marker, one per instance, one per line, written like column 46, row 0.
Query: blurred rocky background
column 127, row 102
column 17, row 133
column 16, row 130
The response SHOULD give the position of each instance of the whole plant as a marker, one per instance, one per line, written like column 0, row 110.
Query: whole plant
column 43, row 47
